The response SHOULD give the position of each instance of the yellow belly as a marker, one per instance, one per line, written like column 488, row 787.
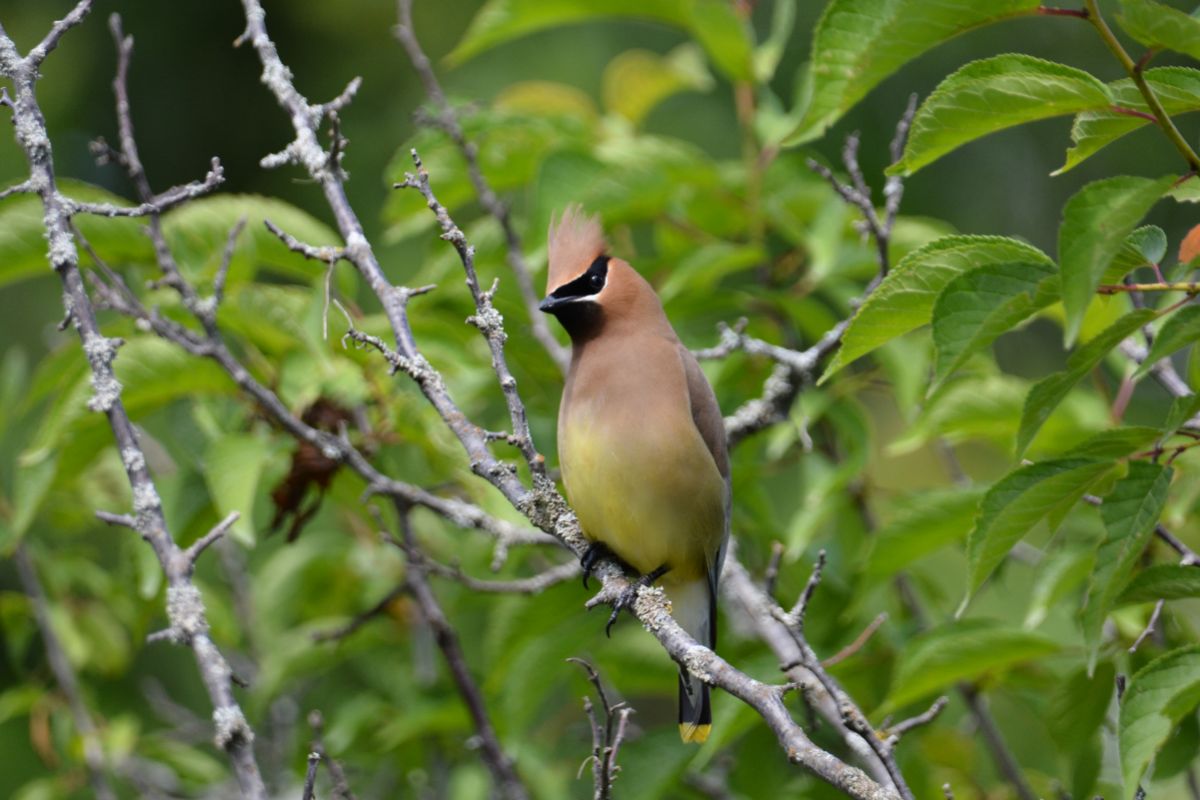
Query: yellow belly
column 652, row 495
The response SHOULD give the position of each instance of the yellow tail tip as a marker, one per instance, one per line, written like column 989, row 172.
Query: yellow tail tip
column 694, row 734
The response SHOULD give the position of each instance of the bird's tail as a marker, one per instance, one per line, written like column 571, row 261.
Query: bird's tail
column 693, row 608
column 695, row 710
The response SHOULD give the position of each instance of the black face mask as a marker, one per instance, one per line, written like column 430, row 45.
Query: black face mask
column 586, row 285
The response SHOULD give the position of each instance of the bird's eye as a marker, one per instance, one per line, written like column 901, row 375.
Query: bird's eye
column 597, row 280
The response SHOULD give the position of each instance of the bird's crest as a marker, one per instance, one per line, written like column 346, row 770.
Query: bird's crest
column 574, row 241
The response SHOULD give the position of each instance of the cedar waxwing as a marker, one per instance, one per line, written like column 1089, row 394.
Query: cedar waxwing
column 641, row 440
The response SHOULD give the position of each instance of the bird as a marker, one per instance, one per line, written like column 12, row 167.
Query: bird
column 641, row 441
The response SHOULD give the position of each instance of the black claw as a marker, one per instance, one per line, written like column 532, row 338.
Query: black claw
column 595, row 552
column 626, row 598
column 612, row 620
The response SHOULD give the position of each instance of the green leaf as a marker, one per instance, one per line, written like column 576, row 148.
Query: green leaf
column 1150, row 709
column 1058, row 575
column 14, row 380
column 768, row 54
column 1145, row 247
column 30, row 485
column 1179, row 330
column 858, row 43
column 1161, row 582
column 927, row 522
column 905, row 298
column 1046, row 394
column 1157, row 25
column 1115, row 443
column 723, row 34
column 964, row 650
column 198, row 230
column 22, row 233
column 978, row 306
column 1177, row 88
column 714, row 24
column 989, row 95
column 1130, row 513
column 636, row 81
column 1020, row 500
column 1080, row 706
column 1182, row 409
column 232, row 466
column 1096, row 221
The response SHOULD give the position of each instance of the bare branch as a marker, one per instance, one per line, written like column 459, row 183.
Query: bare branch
column 759, row 611
column 157, row 204
column 606, row 737
column 24, row 187
column 893, row 189
column 1005, row 762
column 64, row 676
column 486, row 318
column 220, row 529
column 185, row 608
column 361, row 618
column 900, row 728
column 341, row 786
column 123, row 520
column 492, row 204
column 310, row 777
column 508, row 783
column 535, row 584
column 858, row 642
column 226, row 262
column 814, row 579
column 1188, row 556
column 1149, row 629
column 38, row 54
column 326, row 253
column 771, row 574
column 540, row 503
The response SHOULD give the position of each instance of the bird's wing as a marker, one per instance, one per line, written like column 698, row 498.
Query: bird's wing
column 706, row 414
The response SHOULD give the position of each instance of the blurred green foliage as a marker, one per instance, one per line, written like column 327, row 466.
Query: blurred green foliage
column 668, row 119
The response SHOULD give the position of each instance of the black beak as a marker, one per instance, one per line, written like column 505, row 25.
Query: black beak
column 552, row 303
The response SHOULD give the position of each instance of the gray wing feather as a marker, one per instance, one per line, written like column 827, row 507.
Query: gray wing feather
column 706, row 414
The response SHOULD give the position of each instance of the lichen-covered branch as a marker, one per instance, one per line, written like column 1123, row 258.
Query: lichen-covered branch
column 185, row 608
column 541, row 503
column 447, row 120
column 606, row 737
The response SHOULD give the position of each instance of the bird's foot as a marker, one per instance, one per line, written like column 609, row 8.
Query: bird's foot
column 629, row 594
column 595, row 552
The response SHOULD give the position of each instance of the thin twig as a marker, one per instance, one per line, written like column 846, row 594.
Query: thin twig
column 341, row 785
column 1005, row 761
column 220, row 529
column 504, row 774
column 310, row 778
column 447, row 120
column 905, row 726
column 64, row 676
column 1139, row 79
column 361, row 618
column 185, row 607
column 858, row 642
column 606, row 737
column 540, row 503
column 814, row 579
column 771, row 573
column 1149, row 629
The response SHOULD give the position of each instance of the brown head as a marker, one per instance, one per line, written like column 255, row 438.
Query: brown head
column 588, row 290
